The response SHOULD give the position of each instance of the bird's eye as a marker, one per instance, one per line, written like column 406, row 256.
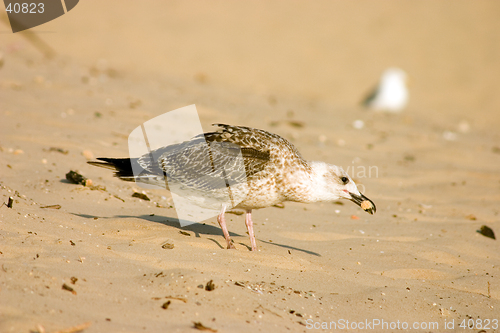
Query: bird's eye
column 344, row 180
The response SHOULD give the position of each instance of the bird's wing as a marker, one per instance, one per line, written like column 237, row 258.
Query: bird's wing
column 218, row 159
column 254, row 146
column 203, row 165
column 258, row 147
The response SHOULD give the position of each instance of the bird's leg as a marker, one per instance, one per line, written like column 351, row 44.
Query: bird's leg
column 222, row 223
column 249, row 223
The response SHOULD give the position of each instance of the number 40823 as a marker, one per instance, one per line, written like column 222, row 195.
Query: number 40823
column 26, row 8
column 479, row 323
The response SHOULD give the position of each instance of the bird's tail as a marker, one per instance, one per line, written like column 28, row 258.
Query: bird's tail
column 122, row 166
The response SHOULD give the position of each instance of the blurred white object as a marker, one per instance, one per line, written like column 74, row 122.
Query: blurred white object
column 391, row 93
column 450, row 136
column 358, row 124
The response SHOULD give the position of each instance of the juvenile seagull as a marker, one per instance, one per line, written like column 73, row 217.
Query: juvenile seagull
column 274, row 172
column 391, row 93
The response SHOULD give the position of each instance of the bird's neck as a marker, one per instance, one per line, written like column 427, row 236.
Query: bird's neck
column 307, row 185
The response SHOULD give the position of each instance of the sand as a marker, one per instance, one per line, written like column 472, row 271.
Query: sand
column 298, row 70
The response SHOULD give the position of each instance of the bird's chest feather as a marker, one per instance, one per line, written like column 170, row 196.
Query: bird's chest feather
column 263, row 192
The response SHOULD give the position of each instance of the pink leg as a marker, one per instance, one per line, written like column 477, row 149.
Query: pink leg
column 249, row 223
column 222, row 223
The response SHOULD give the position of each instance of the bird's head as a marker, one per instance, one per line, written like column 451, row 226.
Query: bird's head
column 394, row 76
column 332, row 183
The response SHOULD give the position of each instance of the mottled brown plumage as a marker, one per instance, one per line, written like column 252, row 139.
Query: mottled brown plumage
column 254, row 168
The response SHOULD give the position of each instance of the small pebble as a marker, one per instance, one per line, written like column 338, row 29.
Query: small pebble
column 140, row 195
column 487, row 231
column 463, row 127
column 88, row 155
column 76, row 178
column 450, row 136
column 168, row 246
column 358, row 124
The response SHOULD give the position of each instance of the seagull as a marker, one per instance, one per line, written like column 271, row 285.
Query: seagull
column 391, row 93
column 273, row 172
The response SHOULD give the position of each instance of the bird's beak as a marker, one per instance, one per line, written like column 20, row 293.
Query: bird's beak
column 365, row 203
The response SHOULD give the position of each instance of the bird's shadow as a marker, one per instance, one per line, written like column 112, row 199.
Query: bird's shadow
column 197, row 228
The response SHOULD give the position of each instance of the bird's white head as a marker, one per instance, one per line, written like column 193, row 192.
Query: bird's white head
column 330, row 183
column 394, row 74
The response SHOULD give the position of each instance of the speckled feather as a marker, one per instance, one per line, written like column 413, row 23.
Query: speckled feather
column 211, row 161
column 269, row 160
column 262, row 168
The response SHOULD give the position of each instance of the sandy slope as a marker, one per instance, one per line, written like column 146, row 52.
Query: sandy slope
column 419, row 259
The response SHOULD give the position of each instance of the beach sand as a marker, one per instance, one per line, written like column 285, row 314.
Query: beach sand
column 296, row 69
